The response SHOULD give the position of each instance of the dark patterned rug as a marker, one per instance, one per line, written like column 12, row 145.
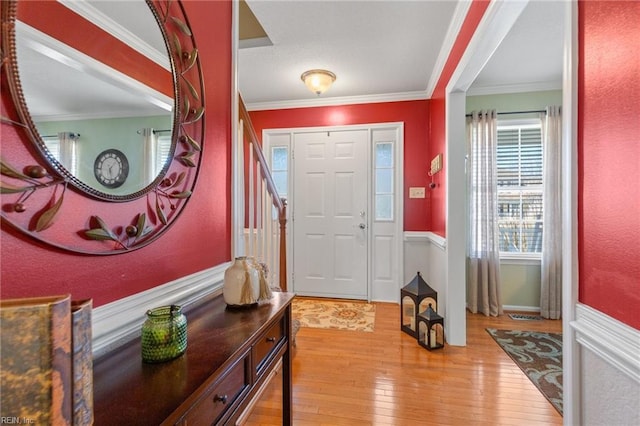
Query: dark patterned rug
column 539, row 356
column 521, row 317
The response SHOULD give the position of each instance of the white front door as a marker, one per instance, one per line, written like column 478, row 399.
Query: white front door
column 330, row 193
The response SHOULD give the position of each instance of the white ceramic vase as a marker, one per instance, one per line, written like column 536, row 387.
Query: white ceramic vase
column 241, row 283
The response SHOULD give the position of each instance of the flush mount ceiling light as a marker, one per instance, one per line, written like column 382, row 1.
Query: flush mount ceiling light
column 318, row 81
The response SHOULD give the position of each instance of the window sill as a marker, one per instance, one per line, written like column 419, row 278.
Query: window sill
column 520, row 258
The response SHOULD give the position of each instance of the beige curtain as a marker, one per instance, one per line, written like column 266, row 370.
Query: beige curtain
column 483, row 252
column 551, row 272
column 68, row 151
column 149, row 148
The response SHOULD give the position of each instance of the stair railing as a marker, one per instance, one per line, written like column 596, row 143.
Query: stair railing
column 266, row 216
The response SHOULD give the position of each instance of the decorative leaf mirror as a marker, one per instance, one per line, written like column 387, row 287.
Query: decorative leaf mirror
column 102, row 121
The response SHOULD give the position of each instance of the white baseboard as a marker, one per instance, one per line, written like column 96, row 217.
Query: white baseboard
column 118, row 322
column 615, row 342
column 517, row 308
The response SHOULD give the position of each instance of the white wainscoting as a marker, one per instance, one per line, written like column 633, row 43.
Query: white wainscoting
column 118, row 322
column 610, row 368
column 426, row 252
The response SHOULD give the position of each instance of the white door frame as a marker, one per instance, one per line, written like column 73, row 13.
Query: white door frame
column 492, row 29
column 497, row 21
column 387, row 293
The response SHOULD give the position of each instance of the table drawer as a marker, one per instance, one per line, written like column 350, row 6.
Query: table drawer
column 221, row 396
column 266, row 343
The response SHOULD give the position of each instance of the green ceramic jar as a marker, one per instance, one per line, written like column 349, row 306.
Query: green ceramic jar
column 164, row 334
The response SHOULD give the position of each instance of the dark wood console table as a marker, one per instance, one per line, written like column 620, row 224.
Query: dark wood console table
column 230, row 354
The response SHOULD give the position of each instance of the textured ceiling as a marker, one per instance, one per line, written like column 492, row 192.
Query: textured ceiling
column 387, row 48
column 531, row 54
column 374, row 47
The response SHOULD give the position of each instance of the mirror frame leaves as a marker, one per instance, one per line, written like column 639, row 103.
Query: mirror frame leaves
column 35, row 198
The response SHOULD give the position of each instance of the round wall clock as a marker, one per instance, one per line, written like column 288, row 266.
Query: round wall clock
column 111, row 168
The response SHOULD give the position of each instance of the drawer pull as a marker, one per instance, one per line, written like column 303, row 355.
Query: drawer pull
column 271, row 339
column 220, row 398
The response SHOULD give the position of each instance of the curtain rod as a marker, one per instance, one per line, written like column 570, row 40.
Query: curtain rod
column 154, row 131
column 517, row 112
column 73, row 135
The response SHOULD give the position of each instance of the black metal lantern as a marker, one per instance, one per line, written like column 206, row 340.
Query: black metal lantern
column 414, row 298
column 430, row 327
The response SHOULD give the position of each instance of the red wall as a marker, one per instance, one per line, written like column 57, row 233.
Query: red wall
column 609, row 158
column 414, row 114
column 198, row 240
column 420, row 215
column 437, row 118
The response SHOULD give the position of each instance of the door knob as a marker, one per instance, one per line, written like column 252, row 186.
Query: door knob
column 362, row 226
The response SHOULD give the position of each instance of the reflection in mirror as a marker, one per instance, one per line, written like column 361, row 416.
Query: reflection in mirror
column 119, row 119
column 98, row 103
column 63, row 148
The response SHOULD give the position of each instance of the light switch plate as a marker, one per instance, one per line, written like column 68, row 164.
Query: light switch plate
column 416, row 192
column 436, row 164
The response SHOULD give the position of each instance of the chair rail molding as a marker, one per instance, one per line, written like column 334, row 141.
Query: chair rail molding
column 120, row 321
column 613, row 341
column 426, row 236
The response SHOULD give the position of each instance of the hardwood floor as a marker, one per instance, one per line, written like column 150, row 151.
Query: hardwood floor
column 385, row 378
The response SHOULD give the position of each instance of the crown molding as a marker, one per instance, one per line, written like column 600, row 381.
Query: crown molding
column 93, row 116
column 44, row 44
column 254, row 42
column 93, row 15
column 459, row 14
column 539, row 86
column 335, row 101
